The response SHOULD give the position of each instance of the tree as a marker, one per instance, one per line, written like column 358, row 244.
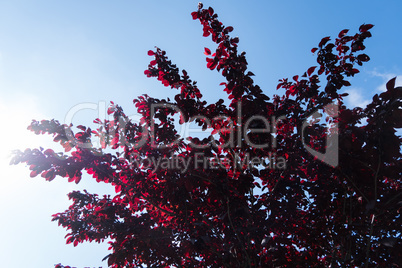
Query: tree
column 273, row 184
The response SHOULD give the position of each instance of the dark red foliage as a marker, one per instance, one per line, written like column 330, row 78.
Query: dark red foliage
column 235, row 211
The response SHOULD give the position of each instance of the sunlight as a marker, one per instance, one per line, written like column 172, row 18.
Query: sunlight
column 26, row 204
column 14, row 134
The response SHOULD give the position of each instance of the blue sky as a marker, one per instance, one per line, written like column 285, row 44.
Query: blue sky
column 59, row 57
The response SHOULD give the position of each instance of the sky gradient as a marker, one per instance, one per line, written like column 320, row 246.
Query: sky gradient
column 67, row 59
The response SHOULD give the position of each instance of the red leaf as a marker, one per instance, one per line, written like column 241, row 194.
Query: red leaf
column 363, row 57
column 50, row 175
column 81, row 127
column 228, row 29
column 355, row 71
column 117, row 188
column 321, row 70
column 194, row 15
column 77, row 178
column 324, row 41
column 69, row 240
column 182, row 120
column 314, row 49
column 346, row 83
column 342, row 33
column 234, row 40
column 110, row 110
column 391, row 84
column 365, row 27
column 211, row 11
column 211, row 65
column 151, row 53
column 207, row 51
column 48, row 152
column 311, row 70
column 34, row 173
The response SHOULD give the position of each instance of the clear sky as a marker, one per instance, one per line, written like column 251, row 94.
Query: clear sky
column 60, row 56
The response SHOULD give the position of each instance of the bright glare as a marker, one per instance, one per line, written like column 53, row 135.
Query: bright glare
column 26, row 204
column 16, row 116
